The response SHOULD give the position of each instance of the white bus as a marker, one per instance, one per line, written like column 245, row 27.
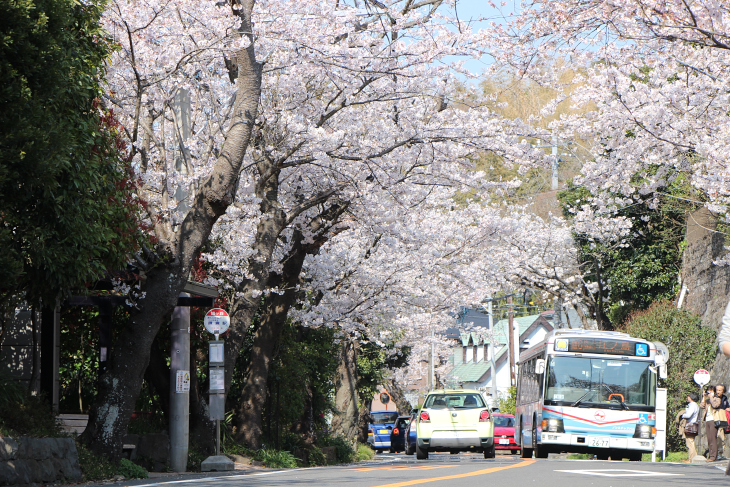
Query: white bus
column 585, row 391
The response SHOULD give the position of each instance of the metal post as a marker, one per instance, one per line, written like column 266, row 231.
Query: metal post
column 431, row 381
column 555, row 162
column 180, row 387
column 511, row 339
column 491, row 353
column 217, row 437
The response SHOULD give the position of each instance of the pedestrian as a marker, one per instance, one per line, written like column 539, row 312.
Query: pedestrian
column 710, row 404
column 688, row 423
column 723, row 443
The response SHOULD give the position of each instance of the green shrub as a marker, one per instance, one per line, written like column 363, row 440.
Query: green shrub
column 92, row 467
column 691, row 347
column 131, row 470
column 22, row 414
column 364, row 452
column 344, row 451
column 195, row 458
column 316, row 457
column 276, row 458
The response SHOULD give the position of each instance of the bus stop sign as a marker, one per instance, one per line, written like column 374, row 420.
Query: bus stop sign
column 702, row 377
column 216, row 321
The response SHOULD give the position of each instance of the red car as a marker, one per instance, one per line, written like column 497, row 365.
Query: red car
column 504, row 433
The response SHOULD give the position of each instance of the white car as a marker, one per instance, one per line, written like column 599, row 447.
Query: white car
column 454, row 421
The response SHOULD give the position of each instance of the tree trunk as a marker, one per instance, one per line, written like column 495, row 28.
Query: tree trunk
column 249, row 420
column 250, row 414
column 119, row 387
column 398, row 397
column 345, row 421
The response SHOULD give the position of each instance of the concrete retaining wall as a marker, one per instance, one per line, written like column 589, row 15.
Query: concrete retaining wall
column 34, row 461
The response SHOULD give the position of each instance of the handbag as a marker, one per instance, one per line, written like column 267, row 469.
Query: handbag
column 691, row 429
column 721, row 425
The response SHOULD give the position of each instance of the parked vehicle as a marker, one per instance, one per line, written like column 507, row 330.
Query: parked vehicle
column 454, row 421
column 381, row 424
column 411, row 435
column 398, row 435
column 504, row 433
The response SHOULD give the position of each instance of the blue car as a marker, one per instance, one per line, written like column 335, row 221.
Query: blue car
column 379, row 429
column 411, row 436
column 399, row 434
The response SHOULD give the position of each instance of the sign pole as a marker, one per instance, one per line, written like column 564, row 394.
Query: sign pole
column 217, row 322
column 701, row 378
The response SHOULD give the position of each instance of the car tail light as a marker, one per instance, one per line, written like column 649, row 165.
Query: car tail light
column 425, row 418
column 484, row 416
column 395, row 431
column 370, row 432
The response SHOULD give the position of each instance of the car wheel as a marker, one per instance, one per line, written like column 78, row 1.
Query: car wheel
column 524, row 452
column 408, row 451
column 490, row 452
column 420, row 453
column 392, row 450
column 540, row 451
column 378, row 450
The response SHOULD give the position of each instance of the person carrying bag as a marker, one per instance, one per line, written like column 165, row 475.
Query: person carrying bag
column 688, row 422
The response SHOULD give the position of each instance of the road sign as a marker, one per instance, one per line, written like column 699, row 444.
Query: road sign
column 217, row 321
column 702, row 377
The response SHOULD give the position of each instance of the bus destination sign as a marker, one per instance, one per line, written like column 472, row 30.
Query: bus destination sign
column 609, row 347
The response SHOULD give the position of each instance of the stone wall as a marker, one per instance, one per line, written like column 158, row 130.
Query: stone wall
column 708, row 285
column 34, row 461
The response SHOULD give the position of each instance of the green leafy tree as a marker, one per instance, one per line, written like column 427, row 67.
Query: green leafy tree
column 641, row 268
column 691, row 347
column 66, row 210
column 507, row 404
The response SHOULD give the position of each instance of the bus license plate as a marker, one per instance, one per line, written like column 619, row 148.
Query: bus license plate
column 598, row 442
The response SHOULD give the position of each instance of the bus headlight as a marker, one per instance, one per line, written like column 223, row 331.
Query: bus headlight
column 644, row 431
column 553, row 425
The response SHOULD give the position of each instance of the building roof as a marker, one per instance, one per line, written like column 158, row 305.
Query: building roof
column 477, row 371
column 470, row 372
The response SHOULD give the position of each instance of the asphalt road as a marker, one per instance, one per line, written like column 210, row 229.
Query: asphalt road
column 444, row 470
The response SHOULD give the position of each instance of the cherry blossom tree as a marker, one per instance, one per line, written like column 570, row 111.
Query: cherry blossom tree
column 656, row 75
column 360, row 126
column 167, row 48
column 287, row 127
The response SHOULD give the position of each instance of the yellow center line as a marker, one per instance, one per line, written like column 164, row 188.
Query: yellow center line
column 524, row 463
column 402, row 467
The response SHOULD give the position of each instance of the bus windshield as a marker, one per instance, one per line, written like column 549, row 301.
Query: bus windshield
column 596, row 382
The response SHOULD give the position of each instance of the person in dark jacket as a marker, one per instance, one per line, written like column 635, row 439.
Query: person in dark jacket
column 723, row 444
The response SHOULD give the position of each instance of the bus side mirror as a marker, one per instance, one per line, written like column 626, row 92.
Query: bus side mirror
column 540, row 366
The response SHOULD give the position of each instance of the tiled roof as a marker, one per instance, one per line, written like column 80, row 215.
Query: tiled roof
column 470, row 372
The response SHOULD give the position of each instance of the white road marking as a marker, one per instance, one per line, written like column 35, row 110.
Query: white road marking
column 621, row 473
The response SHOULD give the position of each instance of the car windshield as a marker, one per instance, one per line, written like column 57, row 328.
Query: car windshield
column 585, row 382
column 504, row 421
column 463, row 400
column 384, row 418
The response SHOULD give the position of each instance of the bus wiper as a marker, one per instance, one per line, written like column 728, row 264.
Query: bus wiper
column 615, row 396
column 580, row 399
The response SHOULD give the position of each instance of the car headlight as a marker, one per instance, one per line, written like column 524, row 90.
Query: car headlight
column 553, row 425
column 645, row 431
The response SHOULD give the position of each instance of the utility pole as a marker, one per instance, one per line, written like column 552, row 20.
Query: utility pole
column 491, row 351
column 180, row 387
column 511, row 339
column 554, row 152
